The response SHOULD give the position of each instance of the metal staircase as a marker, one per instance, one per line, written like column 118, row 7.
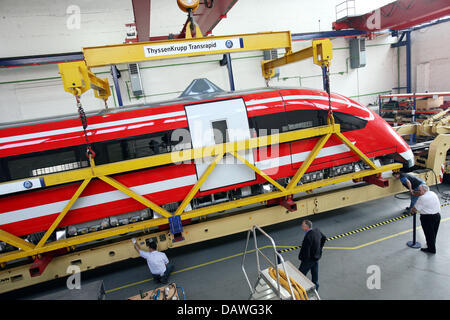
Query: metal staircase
column 265, row 287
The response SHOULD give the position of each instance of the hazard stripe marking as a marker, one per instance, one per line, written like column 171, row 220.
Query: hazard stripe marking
column 342, row 235
column 346, row 234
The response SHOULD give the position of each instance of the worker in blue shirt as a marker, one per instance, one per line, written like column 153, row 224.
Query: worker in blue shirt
column 157, row 262
column 412, row 183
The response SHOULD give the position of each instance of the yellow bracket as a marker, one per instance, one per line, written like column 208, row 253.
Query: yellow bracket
column 77, row 79
column 198, row 32
column 321, row 51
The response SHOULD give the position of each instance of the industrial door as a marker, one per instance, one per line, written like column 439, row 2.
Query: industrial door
column 215, row 123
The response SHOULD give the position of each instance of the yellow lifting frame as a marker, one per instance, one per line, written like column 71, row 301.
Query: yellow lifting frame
column 86, row 175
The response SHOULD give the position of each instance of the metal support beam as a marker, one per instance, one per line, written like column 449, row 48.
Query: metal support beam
column 328, row 35
column 115, row 75
column 399, row 15
column 408, row 62
column 141, row 11
column 230, row 71
column 41, row 59
column 226, row 61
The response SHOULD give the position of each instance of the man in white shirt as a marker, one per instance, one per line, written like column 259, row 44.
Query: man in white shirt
column 157, row 261
column 429, row 207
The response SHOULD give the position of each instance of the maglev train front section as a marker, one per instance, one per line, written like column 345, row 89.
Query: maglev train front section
column 31, row 150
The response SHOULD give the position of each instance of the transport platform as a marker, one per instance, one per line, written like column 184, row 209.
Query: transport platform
column 361, row 238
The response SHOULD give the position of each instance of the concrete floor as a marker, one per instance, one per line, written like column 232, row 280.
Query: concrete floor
column 212, row 270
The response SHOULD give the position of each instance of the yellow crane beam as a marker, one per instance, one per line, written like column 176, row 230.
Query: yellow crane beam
column 177, row 48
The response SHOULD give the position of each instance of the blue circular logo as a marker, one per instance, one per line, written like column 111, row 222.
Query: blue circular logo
column 229, row 44
column 28, row 184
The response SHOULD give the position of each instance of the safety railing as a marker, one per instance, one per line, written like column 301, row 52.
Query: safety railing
column 277, row 257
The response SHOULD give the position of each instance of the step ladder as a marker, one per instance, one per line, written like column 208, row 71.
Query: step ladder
column 267, row 288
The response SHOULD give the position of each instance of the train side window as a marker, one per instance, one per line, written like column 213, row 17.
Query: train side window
column 4, row 172
column 144, row 146
column 52, row 161
column 349, row 122
column 44, row 163
column 268, row 124
column 303, row 119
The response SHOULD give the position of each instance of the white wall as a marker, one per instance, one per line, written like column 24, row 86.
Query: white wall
column 43, row 31
column 41, row 27
column 431, row 53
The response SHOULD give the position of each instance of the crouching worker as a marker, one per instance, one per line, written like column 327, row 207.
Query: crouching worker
column 157, row 261
column 412, row 183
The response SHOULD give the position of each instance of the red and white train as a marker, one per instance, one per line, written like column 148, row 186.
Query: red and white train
column 32, row 149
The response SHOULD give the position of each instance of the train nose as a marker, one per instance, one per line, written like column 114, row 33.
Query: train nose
column 408, row 155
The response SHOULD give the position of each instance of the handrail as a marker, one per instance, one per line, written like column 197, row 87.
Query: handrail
column 277, row 257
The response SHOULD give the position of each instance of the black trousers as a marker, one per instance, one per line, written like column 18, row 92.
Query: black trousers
column 430, row 225
column 313, row 265
column 163, row 279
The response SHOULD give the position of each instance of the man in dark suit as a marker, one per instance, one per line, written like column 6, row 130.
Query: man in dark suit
column 311, row 251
